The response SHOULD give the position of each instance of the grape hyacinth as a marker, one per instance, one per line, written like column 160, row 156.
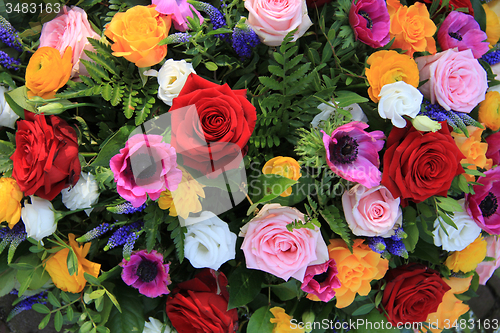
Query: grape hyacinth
column 377, row 244
column 126, row 208
column 399, row 234
column 122, row 235
column 397, row 248
column 129, row 244
column 14, row 237
column 27, row 303
column 216, row 17
column 457, row 120
column 9, row 62
column 9, row 35
column 178, row 37
column 492, row 58
column 244, row 39
column 94, row 233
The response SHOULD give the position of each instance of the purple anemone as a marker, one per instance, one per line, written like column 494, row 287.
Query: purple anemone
column 370, row 21
column 179, row 9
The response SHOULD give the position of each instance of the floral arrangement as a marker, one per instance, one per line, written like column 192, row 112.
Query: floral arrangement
column 249, row 166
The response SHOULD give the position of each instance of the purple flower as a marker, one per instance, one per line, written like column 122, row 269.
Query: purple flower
column 146, row 272
column 352, row 153
column 179, row 9
column 483, row 205
column 370, row 21
column 321, row 280
column 462, row 31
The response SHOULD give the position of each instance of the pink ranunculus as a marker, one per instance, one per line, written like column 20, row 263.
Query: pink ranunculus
column 273, row 20
column 269, row 246
column 70, row 28
column 179, row 9
column 493, row 151
column 370, row 21
column 145, row 166
column 321, row 281
column 455, row 79
column 486, row 269
column 483, row 204
column 371, row 211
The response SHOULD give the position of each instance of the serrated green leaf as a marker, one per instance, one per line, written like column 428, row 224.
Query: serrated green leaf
column 116, row 95
column 103, row 61
column 106, row 92
column 276, row 70
column 97, row 72
column 279, row 58
column 271, row 83
column 101, row 48
column 337, row 225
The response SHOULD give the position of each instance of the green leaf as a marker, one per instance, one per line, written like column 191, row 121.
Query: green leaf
column 116, row 95
column 58, row 321
column 143, row 111
column 106, row 92
column 115, row 301
column 7, row 281
column 332, row 216
column 364, row 309
column 132, row 318
column 246, row 286
column 53, row 300
column 446, row 218
column 101, row 48
column 271, row 83
column 448, row 204
column 346, row 98
column 260, row 321
column 288, row 290
column 91, row 279
column 112, row 146
column 97, row 294
column 40, row 308
column 17, row 100
column 72, row 262
column 101, row 60
column 211, row 66
column 268, row 187
column 411, row 229
column 479, row 13
column 44, row 322
column 96, row 71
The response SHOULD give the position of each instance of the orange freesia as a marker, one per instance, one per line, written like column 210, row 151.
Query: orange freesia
column 412, row 28
column 489, row 110
column 47, row 71
column 468, row 259
column 57, row 267
column 473, row 149
column 356, row 269
column 283, row 166
column 451, row 308
column 389, row 67
column 10, row 197
column 136, row 34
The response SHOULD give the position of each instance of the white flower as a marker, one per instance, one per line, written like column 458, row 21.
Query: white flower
column 457, row 239
column 84, row 194
column 39, row 218
column 327, row 111
column 209, row 242
column 7, row 116
column 156, row 326
column 171, row 78
column 399, row 99
column 425, row 124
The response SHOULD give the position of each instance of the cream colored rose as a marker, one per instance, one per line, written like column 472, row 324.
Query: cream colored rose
column 399, row 99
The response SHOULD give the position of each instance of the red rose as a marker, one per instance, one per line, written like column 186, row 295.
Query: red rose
column 200, row 305
column 418, row 165
column 316, row 3
column 211, row 124
column 455, row 4
column 46, row 157
column 411, row 293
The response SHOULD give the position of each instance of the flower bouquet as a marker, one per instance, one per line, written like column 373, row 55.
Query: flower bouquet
column 249, row 166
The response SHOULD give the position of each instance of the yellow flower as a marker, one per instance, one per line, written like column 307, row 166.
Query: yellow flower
column 10, row 197
column 356, row 269
column 282, row 321
column 57, row 267
column 283, row 166
column 489, row 110
column 47, row 71
column 185, row 199
column 468, row 259
column 389, row 67
column 492, row 9
column 473, row 149
column 451, row 308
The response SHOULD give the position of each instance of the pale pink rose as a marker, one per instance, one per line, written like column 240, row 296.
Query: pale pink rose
column 268, row 245
column 456, row 80
column 486, row 269
column 272, row 20
column 371, row 211
column 70, row 28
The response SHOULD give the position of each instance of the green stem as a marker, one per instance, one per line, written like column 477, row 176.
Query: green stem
column 88, row 154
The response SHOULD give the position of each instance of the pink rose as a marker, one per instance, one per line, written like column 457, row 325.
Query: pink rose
column 371, row 211
column 268, row 245
column 272, row 20
column 486, row 269
column 70, row 28
column 456, row 80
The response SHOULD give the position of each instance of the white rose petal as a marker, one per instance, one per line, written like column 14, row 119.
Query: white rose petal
column 457, row 239
column 7, row 116
column 39, row 218
column 209, row 242
column 399, row 99
column 156, row 326
column 84, row 194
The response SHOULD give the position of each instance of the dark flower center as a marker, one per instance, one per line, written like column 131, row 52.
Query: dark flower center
column 320, row 278
column 345, row 151
column 489, row 205
column 455, row 35
column 369, row 22
column 147, row 270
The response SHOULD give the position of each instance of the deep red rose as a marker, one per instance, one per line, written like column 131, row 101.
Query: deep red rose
column 200, row 305
column 418, row 165
column 46, row 157
column 211, row 124
column 455, row 4
column 411, row 293
column 316, row 3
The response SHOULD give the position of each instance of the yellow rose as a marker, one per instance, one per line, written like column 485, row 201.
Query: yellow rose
column 468, row 259
column 356, row 269
column 57, row 267
column 389, row 67
column 47, row 71
column 136, row 34
column 492, row 22
column 283, row 166
column 282, row 321
column 489, row 110
column 10, row 197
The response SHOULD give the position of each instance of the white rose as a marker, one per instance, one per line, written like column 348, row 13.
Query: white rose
column 84, row 194
column 457, row 239
column 156, row 326
column 39, row 218
column 209, row 242
column 399, row 99
column 327, row 111
column 273, row 20
column 7, row 116
column 171, row 78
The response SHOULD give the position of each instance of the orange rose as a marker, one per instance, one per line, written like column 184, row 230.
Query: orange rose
column 356, row 269
column 47, row 71
column 473, row 149
column 57, row 267
column 412, row 28
column 467, row 259
column 389, row 67
column 136, row 34
column 283, row 166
